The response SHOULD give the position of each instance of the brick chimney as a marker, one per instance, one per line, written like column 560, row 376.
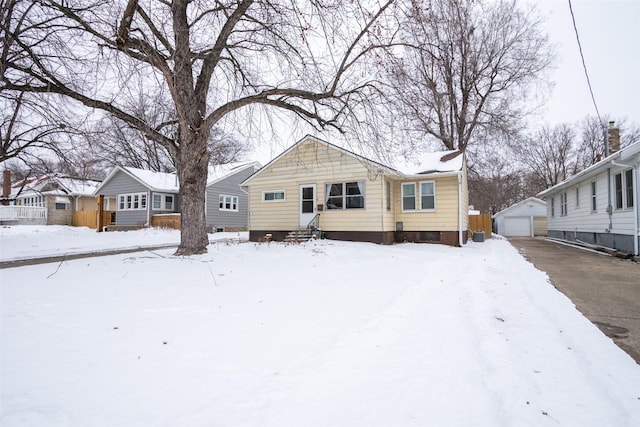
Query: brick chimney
column 614, row 138
column 6, row 186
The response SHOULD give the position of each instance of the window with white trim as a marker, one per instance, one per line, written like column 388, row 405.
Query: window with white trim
column 35, row 201
column 427, row 195
column 553, row 207
column 345, row 195
column 388, row 195
column 228, row 203
column 273, row 196
column 563, row 204
column 594, row 200
column 163, row 202
column 623, row 182
column 408, row 196
column 577, row 197
column 132, row 201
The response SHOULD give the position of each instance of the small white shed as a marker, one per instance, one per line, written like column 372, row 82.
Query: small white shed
column 525, row 218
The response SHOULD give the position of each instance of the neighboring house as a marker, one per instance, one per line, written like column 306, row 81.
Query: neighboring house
column 226, row 205
column 140, row 195
column 525, row 218
column 52, row 199
column 350, row 197
column 600, row 204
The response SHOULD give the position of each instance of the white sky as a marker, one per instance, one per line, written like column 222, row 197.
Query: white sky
column 610, row 36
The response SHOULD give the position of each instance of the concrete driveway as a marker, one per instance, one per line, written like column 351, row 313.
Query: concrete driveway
column 604, row 288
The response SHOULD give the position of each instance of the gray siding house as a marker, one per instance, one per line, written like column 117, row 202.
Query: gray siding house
column 140, row 194
column 600, row 204
column 226, row 203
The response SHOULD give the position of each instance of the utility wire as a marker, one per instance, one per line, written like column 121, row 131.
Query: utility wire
column 584, row 65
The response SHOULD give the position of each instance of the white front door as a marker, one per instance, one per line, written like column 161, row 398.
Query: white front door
column 307, row 204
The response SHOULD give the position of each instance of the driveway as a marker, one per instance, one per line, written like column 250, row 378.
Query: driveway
column 604, row 288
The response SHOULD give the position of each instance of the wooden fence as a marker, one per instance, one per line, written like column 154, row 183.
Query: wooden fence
column 90, row 218
column 166, row 221
column 480, row 223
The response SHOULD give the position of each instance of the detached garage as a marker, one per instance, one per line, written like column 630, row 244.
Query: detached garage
column 526, row 218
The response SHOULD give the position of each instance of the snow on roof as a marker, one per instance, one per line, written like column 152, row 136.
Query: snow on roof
column 161, row 181
column 67, row 185
column 81, row 187
column 436, row 162
column 217, row 172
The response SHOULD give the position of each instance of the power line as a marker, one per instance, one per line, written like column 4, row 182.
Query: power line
column 584, row 65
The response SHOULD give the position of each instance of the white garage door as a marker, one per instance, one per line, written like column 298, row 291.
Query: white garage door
column 517, row 226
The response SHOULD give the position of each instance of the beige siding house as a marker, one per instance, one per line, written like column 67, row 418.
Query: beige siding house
column 349, row 197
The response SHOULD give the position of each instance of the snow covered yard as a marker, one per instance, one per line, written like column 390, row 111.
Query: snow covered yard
column 320, row 334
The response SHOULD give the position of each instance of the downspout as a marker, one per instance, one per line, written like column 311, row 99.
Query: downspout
column 609, row 205
column 149, row 206
column 636, row 209
column 460, row 209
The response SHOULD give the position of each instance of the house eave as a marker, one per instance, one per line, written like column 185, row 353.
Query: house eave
column 620, row 156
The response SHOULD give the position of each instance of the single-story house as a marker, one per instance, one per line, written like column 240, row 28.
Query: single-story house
column 51, row 199
column 226, row 205
column 141, row 195
column 349, row 197
column 600, row 204
column 525, row 218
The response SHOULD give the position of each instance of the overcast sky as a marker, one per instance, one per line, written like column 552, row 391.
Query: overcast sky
column 609, row 32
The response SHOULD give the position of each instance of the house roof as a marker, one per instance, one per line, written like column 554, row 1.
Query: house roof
column 219, row 172
column 441, row 162
column 520, row 203
column 430, row 163
column 156, row 181
column 621, row 156
column 67, row 186
column 168, row 182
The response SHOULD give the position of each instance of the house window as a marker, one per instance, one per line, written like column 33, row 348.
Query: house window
column 618, row 184
column 624, row 189
column 35, row 201
column 228, row 203
column 345, row 195
column 427, row 195
column 388, row 194
column 133, row 201
column 577, row 197
column 408, row 196
column 628, row 178
column 553, row 207
column 594, row 200
column 273, row 196
column 163, row 202
column 61, row 206
column 563, row 204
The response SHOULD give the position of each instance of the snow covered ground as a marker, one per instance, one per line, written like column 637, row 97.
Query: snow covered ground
column 319, row 334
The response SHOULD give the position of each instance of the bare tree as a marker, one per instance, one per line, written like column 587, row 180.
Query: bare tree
column 468, row 66
column 591, row 146
column 213, row 59
column 549, row 155
column 29, row 132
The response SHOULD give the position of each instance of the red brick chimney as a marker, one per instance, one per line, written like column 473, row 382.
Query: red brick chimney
column 6, row 186
column 614, row 138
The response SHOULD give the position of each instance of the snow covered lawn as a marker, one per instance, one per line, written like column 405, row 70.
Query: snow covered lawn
column 320, row 334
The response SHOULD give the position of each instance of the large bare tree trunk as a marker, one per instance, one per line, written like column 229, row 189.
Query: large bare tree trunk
column 192, row 173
